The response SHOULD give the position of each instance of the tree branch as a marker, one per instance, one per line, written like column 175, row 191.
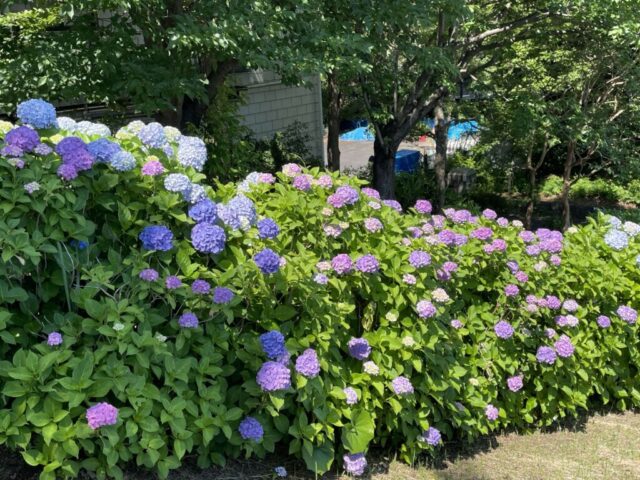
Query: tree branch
column 533, row 18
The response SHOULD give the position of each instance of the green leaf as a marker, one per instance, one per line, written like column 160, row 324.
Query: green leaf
column 318, row 459
column 359, row 433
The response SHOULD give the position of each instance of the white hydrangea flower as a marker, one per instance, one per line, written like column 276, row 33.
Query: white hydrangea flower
column 118, row 327
column 408, row 341
column 371, row 368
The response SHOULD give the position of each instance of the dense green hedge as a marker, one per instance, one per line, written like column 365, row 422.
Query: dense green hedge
column 71, row 263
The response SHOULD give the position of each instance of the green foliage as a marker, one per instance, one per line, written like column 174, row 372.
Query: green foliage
column 596, row 189
column 183, row 392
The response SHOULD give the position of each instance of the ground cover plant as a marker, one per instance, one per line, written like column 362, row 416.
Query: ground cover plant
column 147, row 314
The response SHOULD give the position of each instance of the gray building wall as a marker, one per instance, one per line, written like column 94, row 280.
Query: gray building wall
column 270, row 107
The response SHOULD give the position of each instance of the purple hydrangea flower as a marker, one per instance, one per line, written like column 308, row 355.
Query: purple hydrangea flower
column 25, row 138
column 533, row 250
column 492, row 413
column 101, row 415
column 627, row 314
column 482, row 233
column 67, row 172
column 553, row 302
column 156, row 237
column 359, row 348
column 402, row 386
column 251, row 429
column 342, row 264
column 367, row 264
column 152, row 168
column 291, row 169
column 355, row 463
column 522, row 277
column 222, row 295
column 149, row 275
column 570, row 305
column 188, row 320
column 31, row 187
column 457, row 324
column 11, row 151
column 423, row 206
column 564, row 347
column 425, row 309
column 409, row 279
column 371, row 193
column 172, row 282
column 302, row 182
column 321, row 279
column 515, row 383
column 546, row 355
column 431, row 436
column 372, row 224
column 307, row 364
column 267, row 261
column 603, row 321
column 207, row 238
column 447, row 237
column 393, row 204
column 511, row 290
column 352, row 395
column 489, row 214
column 419, row 258
column 200, row 287
column 503, row 329
column 272, row 344
column 324, row 181
column 344, row 195
column 268, row 228
column 555, row 260
column 54, row 339
column 273, row 376
column 239, row 213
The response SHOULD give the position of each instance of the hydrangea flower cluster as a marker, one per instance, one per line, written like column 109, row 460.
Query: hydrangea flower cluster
column 251, row 429
column 307, row 364
column 102, row 415
column 355, row 463
column 359, row 348
column 273, row 377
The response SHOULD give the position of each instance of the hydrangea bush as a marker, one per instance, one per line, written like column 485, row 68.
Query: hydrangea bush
column 146, row 315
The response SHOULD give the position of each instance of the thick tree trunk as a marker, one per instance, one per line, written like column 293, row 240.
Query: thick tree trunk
column 384, row 161
column 440, row 159
column 566, row 184
column 333, row 122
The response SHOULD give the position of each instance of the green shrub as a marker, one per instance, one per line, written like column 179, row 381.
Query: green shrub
column 71, row 263
column 551, row 186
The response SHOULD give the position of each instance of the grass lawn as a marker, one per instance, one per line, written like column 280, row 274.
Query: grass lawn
column 604, row 447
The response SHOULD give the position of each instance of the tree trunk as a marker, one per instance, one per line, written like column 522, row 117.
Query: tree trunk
column 528, row 219
column 566, row 184
column 440, row 159
column 384, row 161
column 333, row 122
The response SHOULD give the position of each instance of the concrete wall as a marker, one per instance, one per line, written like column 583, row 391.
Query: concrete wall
column 271, row 106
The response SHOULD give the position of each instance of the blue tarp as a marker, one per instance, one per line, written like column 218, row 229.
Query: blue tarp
column 407, row 161
column 457, row 130
column 360, row 134
column 363, row 134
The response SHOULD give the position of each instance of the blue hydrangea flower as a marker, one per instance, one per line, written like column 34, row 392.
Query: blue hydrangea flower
column 252, row 179
column 43, row 149
column 251, row 429
column 103, row 150
column 238, row 213
column 156, row 237
column 207, row 238
column 204, row 211
column 222, row 295
column 70, row 144
column 152, row 135
column 37, row 113
column 123, row 161
column 194, row 194
column 267, row 261
column 268, row 228
column 273, row 344
column 177, row 182
column 616, row 239
column 192, row 152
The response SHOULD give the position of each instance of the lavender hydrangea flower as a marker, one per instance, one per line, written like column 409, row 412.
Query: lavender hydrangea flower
column 342, row 264
column 101, row 415
column 425, row 309
column 273, row 376
column 553, row 302
column 515, row 383
column 156, row 237
column 511, row 290
column 324, row 181
column 251, row 429
column 423, row 206
column 489, row 214
column 192, row 152
column 457, row 324
column 31, row 187
column 200, row 287
column 419, row 258
column 307, row 364
column 359, row 348
column 37, row 113
column 371, row 193
column 280, row 472
column 603, row 321
column 492, row 413
column 239, row 213
column 409, row 279
column 344, row 195
column 272, row 344
column 503, row 329
column 546, row 355
column 152, row 135
column 11, row 151
column 149, row 275
column 302, row 182
column 431, row 436
column 172, row 282
column 564, row 347
column 207, row 238
column 67, row 172
column 570, row 305
column 627, row 314
column 222, row 295
column 267, row 261
column 447, row 237
column 123, row 161
column 204, row 211
column 372, row 224
column 351, row 394
column 152, row 168
column 402, row 386
column 291, row 169
column 103, row 150
column 393, row 204
column 321, row 279
column 355, row 463
column 521, row 276
column 188, row 320
column 367, row 264
column 482, row 233
column 54, row 339
column 25, row 138
column 268, row 228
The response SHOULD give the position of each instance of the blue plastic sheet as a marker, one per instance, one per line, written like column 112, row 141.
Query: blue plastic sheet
column 360, row 134
column 407, row 161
